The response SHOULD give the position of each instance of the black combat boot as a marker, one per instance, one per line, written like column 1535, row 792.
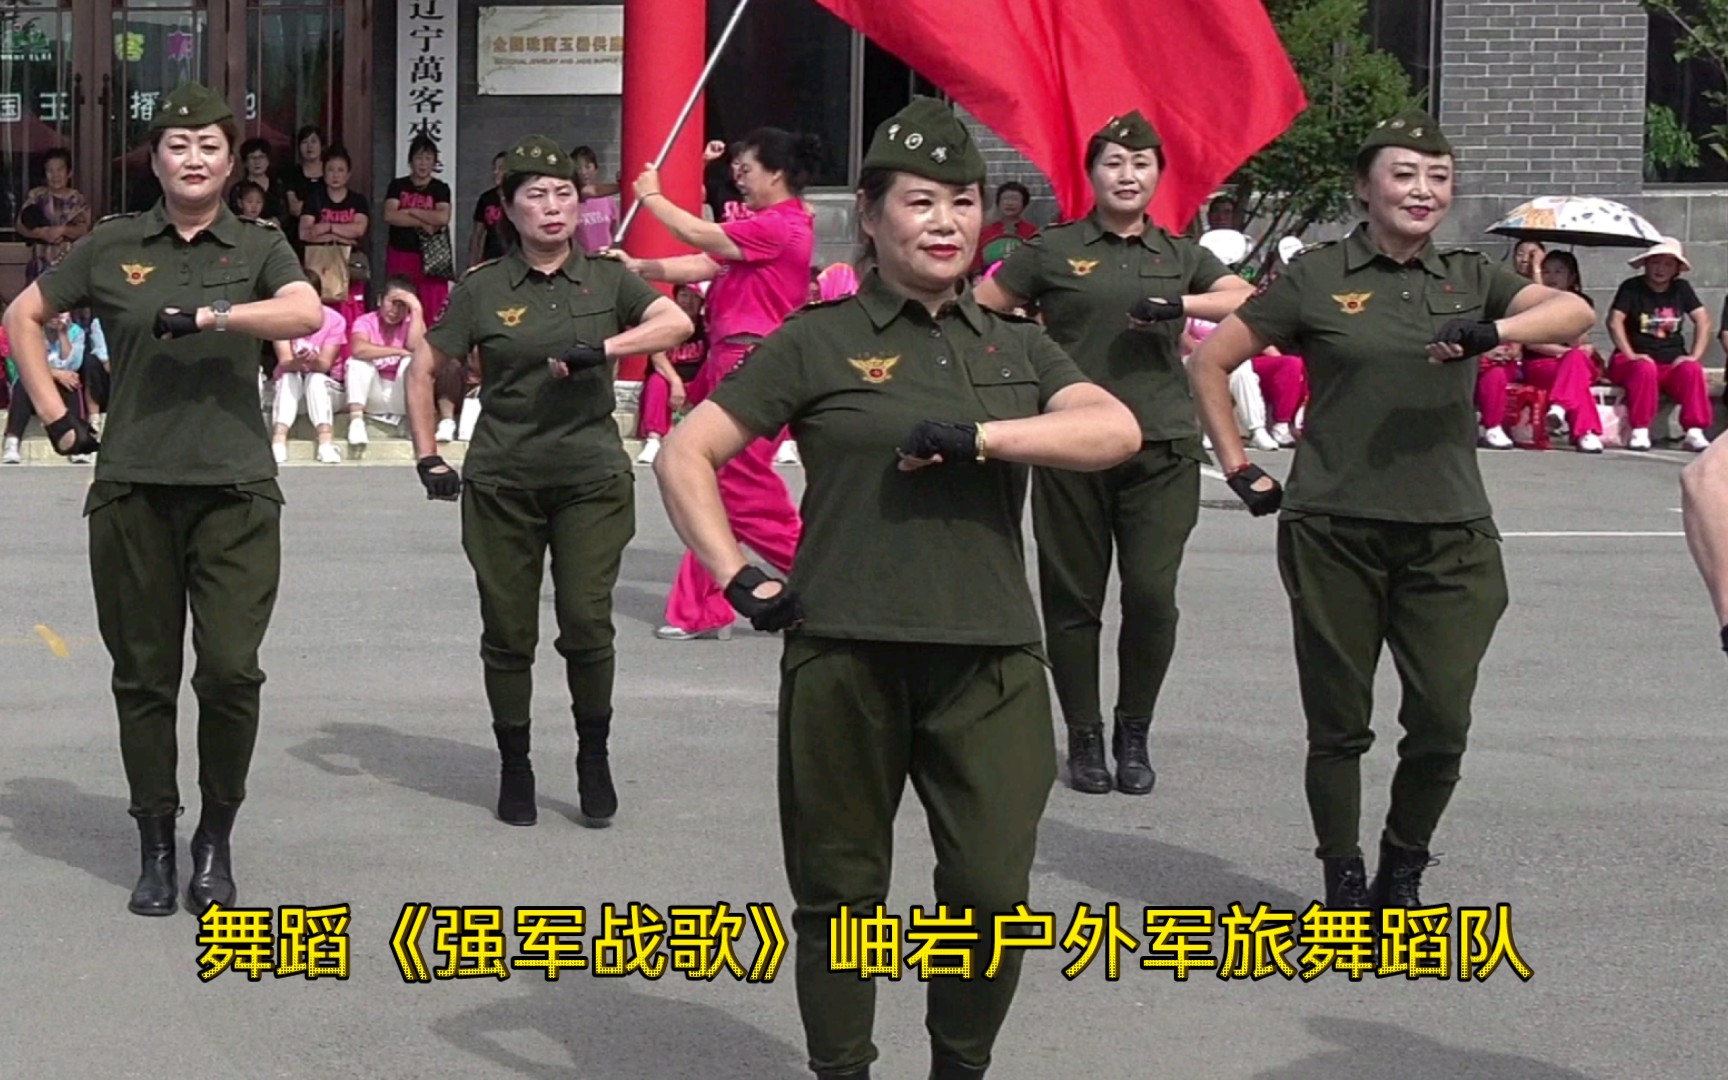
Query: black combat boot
column 594, row 790
column 1346, row 884
column 212, row 877
column 155, row 892
column 1398, row 878
column 1087, row 771
column 943, row 1068
column 1134, row 773
column 515, row 776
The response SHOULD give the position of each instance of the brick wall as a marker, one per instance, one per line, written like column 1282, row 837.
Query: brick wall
column 1537, row 94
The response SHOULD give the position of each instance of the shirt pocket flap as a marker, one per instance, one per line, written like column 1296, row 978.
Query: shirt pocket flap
column 1007, row 389
column 1454, row 305
column 588, row 305
column 231, row 273
column 1162, row 279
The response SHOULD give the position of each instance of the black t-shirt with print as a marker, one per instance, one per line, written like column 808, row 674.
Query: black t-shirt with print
column 409, row 197
column 323, row 208
column 1656, row 321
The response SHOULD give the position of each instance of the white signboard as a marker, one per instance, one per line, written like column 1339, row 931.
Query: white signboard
column 426, row 83
column 551, row 50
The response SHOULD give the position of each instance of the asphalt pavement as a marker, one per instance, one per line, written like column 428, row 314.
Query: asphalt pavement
column 1594, row 802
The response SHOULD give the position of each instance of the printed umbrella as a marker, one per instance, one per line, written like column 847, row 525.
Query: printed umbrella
column 1578, row 219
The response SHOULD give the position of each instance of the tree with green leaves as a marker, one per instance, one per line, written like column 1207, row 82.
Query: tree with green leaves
column 1704, row 37
column 1304, row 177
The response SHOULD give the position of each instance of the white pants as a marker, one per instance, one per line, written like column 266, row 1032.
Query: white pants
column 317, row 393
column 378, row 395
column 1246, row 396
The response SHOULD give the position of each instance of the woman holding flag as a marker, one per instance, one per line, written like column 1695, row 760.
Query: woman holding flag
column 1115, row 290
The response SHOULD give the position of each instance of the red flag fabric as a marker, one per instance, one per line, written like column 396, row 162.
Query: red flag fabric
column 1046, row 74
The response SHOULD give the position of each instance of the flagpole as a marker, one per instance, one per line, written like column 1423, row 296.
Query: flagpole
column 684, row 115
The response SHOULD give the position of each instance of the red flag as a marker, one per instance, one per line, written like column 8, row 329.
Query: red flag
column 1046, row 74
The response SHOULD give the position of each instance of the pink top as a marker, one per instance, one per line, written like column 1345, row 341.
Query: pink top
column 754, row 294
column 333, row 331
column 594, row 228
column 374, row 330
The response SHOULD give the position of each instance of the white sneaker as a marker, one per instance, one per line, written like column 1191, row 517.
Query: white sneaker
column 1261, row 439
column 11, row 456
column 1282, row 435
column 279, row 451
column 678, row 633
column 446, row 431
column 650, row 451
column 328, row 454
column 1557, row 426
column 1695, row 440
column 98, row 423
column 1495, row 438
column 1640, row 439
column 788, row 454
column 1589, row 443
column 82, row 459
column 357, row 431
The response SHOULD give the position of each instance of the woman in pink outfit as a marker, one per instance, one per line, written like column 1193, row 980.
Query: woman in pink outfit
column 1645, row 322
column 664, row 392
column 1567, row 371
column 1499, row 368
column 760, row 269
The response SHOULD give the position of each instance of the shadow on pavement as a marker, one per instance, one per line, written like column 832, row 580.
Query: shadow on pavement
column 55, row 819
column 1135, row 866
column 610, row 1031
column 1367, row 1050
column 445, row 768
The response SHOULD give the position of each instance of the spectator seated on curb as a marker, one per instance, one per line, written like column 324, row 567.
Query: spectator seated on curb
column 65, row 358
column 309, row 378
column 1651, row 359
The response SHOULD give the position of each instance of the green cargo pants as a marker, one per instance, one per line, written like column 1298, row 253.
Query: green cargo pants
column 507, row 533
column 970, row 726
column 155, row 552
column 1433, row 594
column 1144, row 508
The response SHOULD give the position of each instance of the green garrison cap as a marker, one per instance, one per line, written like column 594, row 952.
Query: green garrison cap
column 927, row 139
column 1130, row 130
column 1412, row 129
column 539, row 156
column 190, row 105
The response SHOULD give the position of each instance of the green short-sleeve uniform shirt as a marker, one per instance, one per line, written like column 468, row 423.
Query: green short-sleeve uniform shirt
column 536, row 431
column 183, row 411
column 1084, row 279
column 1390, row 435
column 930, row 556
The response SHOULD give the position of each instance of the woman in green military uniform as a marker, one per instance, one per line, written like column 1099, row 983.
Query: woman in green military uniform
column 1114, row 290
column 915, row 644
column 1386, row 537
column 546, row 470
column 184, row 512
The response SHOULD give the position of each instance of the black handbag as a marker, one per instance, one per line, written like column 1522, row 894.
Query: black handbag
column 438, row 255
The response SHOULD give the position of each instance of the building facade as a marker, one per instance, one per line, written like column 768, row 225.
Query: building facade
column 1540, row 96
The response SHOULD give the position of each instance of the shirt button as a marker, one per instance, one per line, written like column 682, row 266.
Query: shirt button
column 935, row 332
column 1006, row 373
column 555, row 306
column 942, row 360
column 1406, row 296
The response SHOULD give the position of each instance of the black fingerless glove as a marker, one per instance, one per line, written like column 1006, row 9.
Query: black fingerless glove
column 954, row 442
column 1259, row 503
column 84, row 442
column 1476, row 337
column 446, row 485
column 581, row 356
column 779, row 612
column 1154, row 309
column 173, row 323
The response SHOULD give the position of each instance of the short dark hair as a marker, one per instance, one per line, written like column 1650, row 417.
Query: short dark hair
column 586, row 153
column 311, row 129
column 338, row 152
column 398, row 281
column 421, row 144
column 245, row 188
column 255, row 146
column 60, row 153
column 1095, row 150
column 500, row 156
column 1014, row 185
column 798, row 156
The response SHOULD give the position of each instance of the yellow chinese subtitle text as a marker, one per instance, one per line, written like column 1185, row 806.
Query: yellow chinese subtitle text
column 706, row 941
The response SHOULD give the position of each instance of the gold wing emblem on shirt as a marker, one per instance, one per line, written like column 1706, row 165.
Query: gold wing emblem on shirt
column 512, row 316
column 1082, row 267
column 875, row 369
column 136, row 272
column 1352, row 303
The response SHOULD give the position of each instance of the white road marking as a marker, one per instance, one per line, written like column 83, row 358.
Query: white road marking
column 1585, row 533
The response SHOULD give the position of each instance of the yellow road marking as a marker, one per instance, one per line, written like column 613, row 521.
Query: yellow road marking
column 55, row 643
